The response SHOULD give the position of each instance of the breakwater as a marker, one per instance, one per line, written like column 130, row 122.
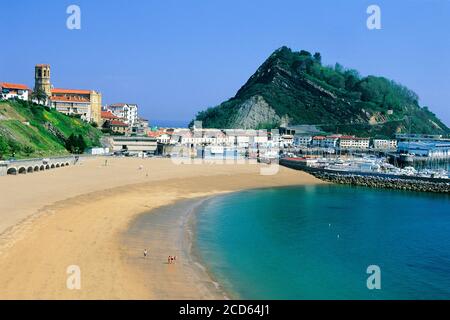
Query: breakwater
column 373, row 180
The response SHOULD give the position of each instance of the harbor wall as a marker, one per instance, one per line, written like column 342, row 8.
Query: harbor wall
column 374, row 180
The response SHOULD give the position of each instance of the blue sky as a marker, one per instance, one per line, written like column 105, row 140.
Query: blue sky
column 175, row 58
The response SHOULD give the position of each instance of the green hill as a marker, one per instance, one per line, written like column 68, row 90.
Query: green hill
column 295, row 88
column 31, row 130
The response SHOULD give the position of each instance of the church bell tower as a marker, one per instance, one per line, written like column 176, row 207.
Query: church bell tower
column 42, row 79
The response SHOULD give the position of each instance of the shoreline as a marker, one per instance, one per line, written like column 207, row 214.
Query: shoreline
column 85, row 228
column 184, row 212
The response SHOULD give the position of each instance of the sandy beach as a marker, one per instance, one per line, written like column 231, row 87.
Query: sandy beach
column 82, row 215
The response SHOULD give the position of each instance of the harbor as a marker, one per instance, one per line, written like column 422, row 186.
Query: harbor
column 372, row 172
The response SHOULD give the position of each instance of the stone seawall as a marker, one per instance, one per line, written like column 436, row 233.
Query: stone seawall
column 381, row 182
column 374, row 180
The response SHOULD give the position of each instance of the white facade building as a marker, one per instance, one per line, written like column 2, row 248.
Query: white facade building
column 347, row 142
column 126, row 111
column 302, row 140
column 385, row 144
column 14, row 91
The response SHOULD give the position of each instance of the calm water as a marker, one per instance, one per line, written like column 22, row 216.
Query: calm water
column 317, row 242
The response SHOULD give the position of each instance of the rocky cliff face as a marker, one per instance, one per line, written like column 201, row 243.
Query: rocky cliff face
column 294, row 87
column 255, row 112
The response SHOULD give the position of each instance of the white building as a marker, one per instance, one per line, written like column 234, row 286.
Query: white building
column 432, row 149
column 351, row 142
column 385, row 144
column 126, row 111
column 302, row 140
column 14, row 91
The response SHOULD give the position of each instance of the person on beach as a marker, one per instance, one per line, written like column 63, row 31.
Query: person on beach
column 145, row 253
column 169, row 260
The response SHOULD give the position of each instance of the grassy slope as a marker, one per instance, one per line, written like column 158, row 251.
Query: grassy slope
column 14, row 128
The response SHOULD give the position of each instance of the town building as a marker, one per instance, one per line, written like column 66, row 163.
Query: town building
column 318, row 141
column 133, row 145
column 161, row 136
column 14, row 91
column 385, row 144
column 432, row 149
column 83, row 103
column 352, row 142
column 108, row 116
column 414, row 137
column 127, row 112
column 301, row 140
column 140, row 126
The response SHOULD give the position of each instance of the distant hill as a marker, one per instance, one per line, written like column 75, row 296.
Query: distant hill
column 295, row 88
column 31, row 130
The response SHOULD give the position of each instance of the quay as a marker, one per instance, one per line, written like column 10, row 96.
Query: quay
column 371, row 179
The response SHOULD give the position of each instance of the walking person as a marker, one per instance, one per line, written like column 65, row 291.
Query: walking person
column 145, row 253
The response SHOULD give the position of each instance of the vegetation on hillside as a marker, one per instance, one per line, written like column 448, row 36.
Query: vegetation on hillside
column 303, row 90
column 31, row 130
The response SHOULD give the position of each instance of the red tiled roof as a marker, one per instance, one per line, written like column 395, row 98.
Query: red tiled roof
column 156, row 134
column 70, row 99
column 319, row 138
column 18, row 86
column 108, row 115
column 350, row 138
column 42, row 65
column 118, row 123
column 70, row 91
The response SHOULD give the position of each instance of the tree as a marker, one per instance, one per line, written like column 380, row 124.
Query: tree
column 75, row 144
column 4, row 147
column 28, row 150
column 305, row 53
column 351, row 79
column 338, row 68
column 81, row 144
column 39, row 95
column 14, row 147
column 318, row 57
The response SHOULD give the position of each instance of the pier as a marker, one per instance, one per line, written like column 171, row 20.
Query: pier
column 373, row 180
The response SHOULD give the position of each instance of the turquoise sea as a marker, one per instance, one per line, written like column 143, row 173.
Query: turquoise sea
column 316, row 242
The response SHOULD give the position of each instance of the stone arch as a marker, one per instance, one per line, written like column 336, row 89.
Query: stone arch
column 36, row 168
column 52, row 166
column 67, row 164
column 12, row 170
column 22, row 170
column 47, row 167
column 30, row 170
column 42, row 168
column 62, row 165
column 57, row 165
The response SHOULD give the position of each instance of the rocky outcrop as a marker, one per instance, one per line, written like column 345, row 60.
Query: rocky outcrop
column 295, row 88
column 255, row 112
